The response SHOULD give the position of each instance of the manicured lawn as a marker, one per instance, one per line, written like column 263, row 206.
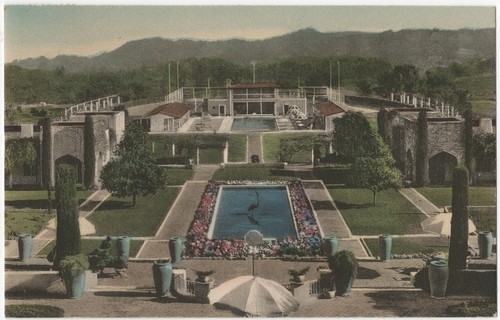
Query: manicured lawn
column 392, row 214
column 37, row 199
column 88, row 245
column 237, row 148
column 177, row 176
column 485, row 219
column 478, row 196
column 332, row 175
column 211, row 156
column 251, row 172
column 29, row 221
column 411, row 245
column 271, row 143
column 116, row 216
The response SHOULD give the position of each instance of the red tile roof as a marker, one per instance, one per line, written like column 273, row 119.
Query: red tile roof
column 255, row 86
column 328, row 108
column 173, row 109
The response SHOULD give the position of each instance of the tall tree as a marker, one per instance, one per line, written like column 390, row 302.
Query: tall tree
column 46, row 124
column 422, row 162
column 133, row 171
column 89, row 153
column 68, row 228
column 459, row 221
column 19, row 153
column 468, row 137
column 376, row 172
column 352, row 136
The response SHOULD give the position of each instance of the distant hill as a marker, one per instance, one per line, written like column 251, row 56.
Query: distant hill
column 422, row 48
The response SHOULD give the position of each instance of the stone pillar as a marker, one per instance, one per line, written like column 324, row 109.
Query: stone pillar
column 485, row 125
column 26, row 130
column 119, row 100
column 392, row 96
column 402, row 98
column 429, row 102
column 226, row 152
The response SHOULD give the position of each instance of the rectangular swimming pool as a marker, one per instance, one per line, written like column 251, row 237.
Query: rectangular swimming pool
column 240, row 209
column 254, row 123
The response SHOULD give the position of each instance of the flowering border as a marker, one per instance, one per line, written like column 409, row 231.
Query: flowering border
column 308, row 240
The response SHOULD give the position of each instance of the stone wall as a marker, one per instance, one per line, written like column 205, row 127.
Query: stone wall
column 375, row 102
column 67, row 141
column 446, row 136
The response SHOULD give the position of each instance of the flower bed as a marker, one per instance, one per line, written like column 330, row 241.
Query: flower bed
column 308, row 240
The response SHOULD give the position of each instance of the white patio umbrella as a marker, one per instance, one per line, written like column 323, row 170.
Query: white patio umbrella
column 441, row 224
column 255, row 296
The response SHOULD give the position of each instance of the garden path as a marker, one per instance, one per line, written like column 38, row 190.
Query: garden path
column 420, row 202
column 330, row 219
column 254, row 147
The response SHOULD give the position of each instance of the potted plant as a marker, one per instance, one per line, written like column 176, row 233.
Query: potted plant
column 72, row 272
column 101, row 257
column 298, row 276
column 202, row 285
column 203, row 276
column 344, row 267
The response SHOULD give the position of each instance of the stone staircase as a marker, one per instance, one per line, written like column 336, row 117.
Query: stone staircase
column 284, row 124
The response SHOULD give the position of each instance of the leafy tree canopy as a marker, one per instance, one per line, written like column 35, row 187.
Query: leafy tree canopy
column 377, row 172
column 352, row 136
column 133, row 171
column 20, row 152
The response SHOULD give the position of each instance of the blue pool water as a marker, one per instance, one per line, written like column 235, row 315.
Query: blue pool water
column 238, row 207
column 254, row 124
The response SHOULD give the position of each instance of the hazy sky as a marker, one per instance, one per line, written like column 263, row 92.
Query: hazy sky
column 32, row 31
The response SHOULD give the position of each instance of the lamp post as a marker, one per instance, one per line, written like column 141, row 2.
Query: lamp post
column 253, row 70
column 338, row 75
column 177, row 74
column 330, row 74
column 169, row 88
column 253, row 238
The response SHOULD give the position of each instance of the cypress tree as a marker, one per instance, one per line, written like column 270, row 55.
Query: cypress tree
column 47, row 159
column 68, row 228
column 89, row 153
column 468, row 142
column 381, row 123
column 459, row 220
column 421, row 162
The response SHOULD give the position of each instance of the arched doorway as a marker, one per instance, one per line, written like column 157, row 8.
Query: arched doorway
column 75, row 163
column 440, row 167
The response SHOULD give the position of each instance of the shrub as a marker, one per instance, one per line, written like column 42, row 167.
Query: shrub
column 68, row 228
column 422, row 152
column 459, row 220
column 33, row 311
column 89, row 153
column 101, row 257
column 344, row 268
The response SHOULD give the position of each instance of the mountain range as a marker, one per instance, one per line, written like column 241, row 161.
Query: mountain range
column 422, row 48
